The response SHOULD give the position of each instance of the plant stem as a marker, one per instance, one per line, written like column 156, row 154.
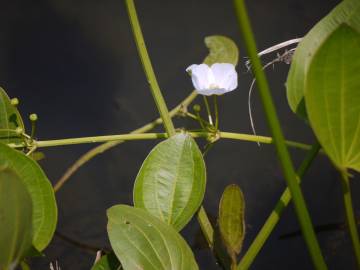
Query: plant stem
column 345, row 183
column 260, row 139
column 110, row 144
column 138, row 135
column 208, row 110
column 148, row 69
column 274, row 217
column 216, row 112
column 206, row 227
column 159, row 100
column 283, row 154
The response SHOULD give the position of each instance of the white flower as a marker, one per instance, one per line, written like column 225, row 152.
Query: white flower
column 218, row 79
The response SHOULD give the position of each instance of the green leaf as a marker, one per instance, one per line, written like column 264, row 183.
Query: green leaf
column 33, row 252
column 231, row 218
column 332, row 97
column 41, row 192
column 107, row 262
column 348, row 12
column 15, row 218
column 142, row 241
column 10, row 120
column 221, row 50
column 171, row 182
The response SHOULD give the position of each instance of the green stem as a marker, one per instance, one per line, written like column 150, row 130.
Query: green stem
column 260, row 139
column 283, row 154
column 216, row 112
column 274, row 217
column 206, row 227
column 208, row 110
column 350, row 215
column 159, row 100
column 148, row 69
column 138, row 135
column 203, row 123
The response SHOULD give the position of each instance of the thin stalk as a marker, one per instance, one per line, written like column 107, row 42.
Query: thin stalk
column 260, row 139
column 139, row 135
column 100, row 139
column 275, row 215
column 159, row 100
column 345, row 183
column 206, row 227
column 108, row 145
column 208, row 110
column 216, row 108
column 203, row 123
column 283, row 154
column 148, row 69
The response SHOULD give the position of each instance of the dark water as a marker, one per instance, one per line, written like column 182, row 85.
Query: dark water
column 75, row 64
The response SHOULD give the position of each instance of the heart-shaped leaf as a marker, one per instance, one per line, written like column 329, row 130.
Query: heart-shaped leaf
column 231, row 218
column 332, row 97
column 348, row 12
column 171, row 182
column 221, row 50
column 15, row 218
column 41, row 192
column 10, row 120
column 142, row 241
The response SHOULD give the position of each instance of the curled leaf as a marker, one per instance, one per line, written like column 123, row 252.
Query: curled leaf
column 231, row 218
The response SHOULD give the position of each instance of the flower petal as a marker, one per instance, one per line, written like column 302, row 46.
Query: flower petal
column 210, row 92
column 201, row 76
column 225, row 76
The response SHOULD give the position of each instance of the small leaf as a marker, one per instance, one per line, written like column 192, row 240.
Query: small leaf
column 15, row 218
column 231, row 218
column 37, row 156
column 348, row 12
column 142, row 241
column 171, row 182
column 10, row 120
column 41, row 193
column 332, row 97
column 33, row 252
column 108, row 262
column 221, row 50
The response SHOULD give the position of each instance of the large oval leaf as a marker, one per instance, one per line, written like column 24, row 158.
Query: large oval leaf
column 332, row 97
column 15, row 218
column 221, row 50
column 348, row 12
column 142, row 241
column 171, row 182
column 10, row 119
column 41, row 192
column 231, row 218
